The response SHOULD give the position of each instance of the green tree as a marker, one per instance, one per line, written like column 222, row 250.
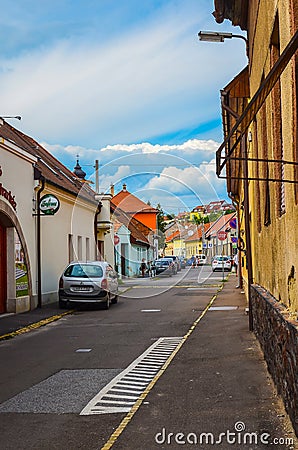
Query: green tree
column 161, row 226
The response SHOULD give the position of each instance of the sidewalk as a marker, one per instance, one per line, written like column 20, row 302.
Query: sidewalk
column 217, row 383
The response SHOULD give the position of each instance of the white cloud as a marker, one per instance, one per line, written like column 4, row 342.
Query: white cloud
column 146, row 81
column 201, row 181
column 190, row 146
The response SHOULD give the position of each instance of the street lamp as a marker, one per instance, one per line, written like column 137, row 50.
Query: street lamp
column 11, row 117
column 216, row 36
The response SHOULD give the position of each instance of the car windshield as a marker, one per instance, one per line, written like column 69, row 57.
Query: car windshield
column 84, row 271
column 221, row 258
column 163, row 262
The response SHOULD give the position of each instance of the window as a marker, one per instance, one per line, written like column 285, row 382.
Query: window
column 265, row 166
column 80, row 249
column 278, row 152
column 87, row 249
column 70, row 248
column 294, row 26
column 84, row 271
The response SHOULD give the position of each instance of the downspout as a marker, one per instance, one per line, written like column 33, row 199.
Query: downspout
column 38, row 231
column 98, row 210
column 247, row 230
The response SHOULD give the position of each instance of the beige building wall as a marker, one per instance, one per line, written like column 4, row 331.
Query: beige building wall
column 17, row 178
column 275, row 244
column 67, row 235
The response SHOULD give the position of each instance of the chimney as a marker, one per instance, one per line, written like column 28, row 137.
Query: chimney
column 112, row 191
column 124, row 187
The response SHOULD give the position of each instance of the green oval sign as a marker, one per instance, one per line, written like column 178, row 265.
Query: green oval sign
column 49, row 204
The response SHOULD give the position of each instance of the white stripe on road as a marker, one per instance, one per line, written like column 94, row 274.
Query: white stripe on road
column 133, row 380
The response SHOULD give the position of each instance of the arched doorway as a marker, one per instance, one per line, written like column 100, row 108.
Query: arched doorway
column 15, row 274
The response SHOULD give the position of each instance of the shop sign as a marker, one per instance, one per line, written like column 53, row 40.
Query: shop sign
column 49, row 204
column 7, row 194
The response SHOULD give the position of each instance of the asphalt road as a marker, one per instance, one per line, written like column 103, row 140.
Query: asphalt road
column 49, row 375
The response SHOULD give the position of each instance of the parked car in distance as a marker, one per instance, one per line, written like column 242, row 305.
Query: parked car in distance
column 220, row 262
column 164, row 266
column 88, row 282
column 182, row 262
column 201, row 259
column 176, row 262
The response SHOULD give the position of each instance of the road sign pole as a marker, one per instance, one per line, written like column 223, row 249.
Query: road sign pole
column 223, row 270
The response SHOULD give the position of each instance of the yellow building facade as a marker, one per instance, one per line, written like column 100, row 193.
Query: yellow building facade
column 263, row 182
column 260, row 158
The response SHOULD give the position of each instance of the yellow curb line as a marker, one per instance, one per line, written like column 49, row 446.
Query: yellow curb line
column 123, row 424
column 34, row 326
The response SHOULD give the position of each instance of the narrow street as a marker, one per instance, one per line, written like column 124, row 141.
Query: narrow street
column 49, row 375
column 70, row 384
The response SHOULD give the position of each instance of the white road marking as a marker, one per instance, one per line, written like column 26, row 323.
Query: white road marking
column 150, row 310
column 133, row 380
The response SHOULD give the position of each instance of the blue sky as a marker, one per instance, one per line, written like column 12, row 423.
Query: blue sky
column 127, row 83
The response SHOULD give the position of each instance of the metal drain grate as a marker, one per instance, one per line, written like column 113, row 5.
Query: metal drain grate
column 122, row 392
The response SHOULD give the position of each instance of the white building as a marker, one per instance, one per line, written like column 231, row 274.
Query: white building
column 36, row 246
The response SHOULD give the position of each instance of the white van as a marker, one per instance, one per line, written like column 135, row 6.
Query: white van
column 202, row 259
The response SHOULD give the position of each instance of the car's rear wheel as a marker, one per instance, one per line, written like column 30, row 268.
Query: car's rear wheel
column 114, row 300
column 106, row 304
column 62, row 304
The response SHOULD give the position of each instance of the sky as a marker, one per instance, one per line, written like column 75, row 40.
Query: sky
column 125, row 83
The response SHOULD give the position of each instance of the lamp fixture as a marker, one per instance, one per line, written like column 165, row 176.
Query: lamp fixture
column 216, row 36
column 11, row 117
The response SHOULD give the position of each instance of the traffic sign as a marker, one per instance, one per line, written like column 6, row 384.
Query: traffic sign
column 221, row 235
column 116, row 239
column 233, row 223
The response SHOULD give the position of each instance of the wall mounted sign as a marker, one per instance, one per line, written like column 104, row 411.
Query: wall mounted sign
column 49, row 204
column 7, row 194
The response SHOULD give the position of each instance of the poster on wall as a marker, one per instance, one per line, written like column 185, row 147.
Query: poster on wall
column 20, row 268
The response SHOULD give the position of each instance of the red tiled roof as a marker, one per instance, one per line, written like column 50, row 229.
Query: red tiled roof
column 221, row 224
column 134, row 226
column 198, row 233
column 131, row 204
column 172, row 236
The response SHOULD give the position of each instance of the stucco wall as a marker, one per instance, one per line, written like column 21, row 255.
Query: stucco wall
column 275, row 246
column 75, row 217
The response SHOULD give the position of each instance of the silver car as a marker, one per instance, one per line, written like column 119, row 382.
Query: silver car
column 88, row 282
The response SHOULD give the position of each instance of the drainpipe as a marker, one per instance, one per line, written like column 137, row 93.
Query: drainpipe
column 39, row 293
column 98, row 211
column 247, row 230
